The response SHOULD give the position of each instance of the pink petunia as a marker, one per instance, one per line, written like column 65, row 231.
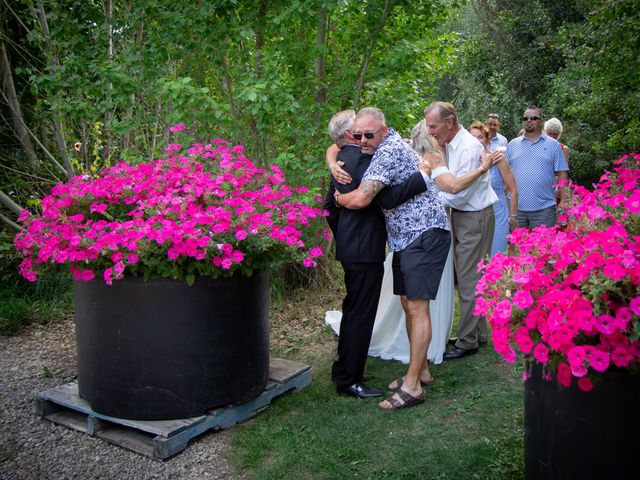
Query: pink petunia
column 316, row 252
column 523, row 299
column 541, row 353
column 177, row 128
column 620, row 357
column 598, row 360
column 585, row 384
column 634, row 305
column 309, row 262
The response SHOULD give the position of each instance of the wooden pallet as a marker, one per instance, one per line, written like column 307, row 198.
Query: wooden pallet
column 162, row 439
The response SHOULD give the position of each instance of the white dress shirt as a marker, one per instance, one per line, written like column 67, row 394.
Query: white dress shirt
column 464, row 153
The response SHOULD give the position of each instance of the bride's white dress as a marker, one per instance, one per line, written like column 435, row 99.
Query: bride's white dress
column 389, row 338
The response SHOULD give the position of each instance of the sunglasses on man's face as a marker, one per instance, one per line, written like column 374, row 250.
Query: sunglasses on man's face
column 369, row 135
column 533, row 119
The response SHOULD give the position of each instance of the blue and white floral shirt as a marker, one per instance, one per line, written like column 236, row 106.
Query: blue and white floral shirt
column 393, row 162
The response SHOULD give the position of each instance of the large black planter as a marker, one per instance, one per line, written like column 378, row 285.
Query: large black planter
column 160, row 349
column 571, row 434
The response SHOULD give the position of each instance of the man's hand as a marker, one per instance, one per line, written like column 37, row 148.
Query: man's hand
column 340, row 175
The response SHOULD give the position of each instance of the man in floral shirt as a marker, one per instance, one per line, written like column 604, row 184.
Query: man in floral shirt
column 418, row 234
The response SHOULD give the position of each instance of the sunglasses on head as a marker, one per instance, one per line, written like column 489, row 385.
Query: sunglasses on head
column 533, row 119
column 369, row 135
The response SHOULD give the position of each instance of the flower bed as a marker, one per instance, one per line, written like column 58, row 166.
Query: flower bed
column 568, row 297
column 203, row 211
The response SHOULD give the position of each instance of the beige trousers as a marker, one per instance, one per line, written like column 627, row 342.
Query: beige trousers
column 472, row 234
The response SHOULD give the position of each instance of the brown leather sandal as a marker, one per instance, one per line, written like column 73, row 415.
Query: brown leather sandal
column 402, row 399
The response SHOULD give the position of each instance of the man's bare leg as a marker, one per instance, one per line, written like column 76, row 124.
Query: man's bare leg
column 419, row 332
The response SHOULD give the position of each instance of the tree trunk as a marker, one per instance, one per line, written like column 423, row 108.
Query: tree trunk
column 106, row 153
column 321, row 89
column 10, row 96
column 54, row 60
column 371, row 43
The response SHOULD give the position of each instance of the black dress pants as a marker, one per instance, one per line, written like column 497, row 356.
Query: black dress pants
column 363, row 281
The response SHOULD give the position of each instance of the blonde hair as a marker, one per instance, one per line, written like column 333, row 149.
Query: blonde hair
column 422, row 142
column 482, row 127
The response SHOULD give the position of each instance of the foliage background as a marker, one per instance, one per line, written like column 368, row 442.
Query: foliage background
column 85, row 84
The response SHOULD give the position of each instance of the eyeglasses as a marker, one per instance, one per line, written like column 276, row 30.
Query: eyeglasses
column 369, row 135
column 494, row 115
column 533, row 119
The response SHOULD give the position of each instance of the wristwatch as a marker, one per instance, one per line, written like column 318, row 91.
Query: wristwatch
column 335, row 200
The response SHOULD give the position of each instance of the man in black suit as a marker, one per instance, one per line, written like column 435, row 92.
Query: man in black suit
column 360, row 237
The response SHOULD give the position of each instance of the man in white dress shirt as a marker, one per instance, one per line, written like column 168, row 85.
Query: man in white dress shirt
column 472, row 219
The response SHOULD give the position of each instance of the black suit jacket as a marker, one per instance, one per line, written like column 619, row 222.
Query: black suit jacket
column 360, row 235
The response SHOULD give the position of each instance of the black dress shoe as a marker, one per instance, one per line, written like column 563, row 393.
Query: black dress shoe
column 360, row 390
column 457, row 352
column 452, row 341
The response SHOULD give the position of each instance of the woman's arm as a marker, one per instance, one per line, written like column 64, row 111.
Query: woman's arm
column 512, row 188
column 445, row 180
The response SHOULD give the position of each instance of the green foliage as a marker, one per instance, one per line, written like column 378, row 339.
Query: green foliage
column 559, row 55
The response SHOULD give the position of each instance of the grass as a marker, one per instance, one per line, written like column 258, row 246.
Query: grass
column 21, row 302
column 470, row 427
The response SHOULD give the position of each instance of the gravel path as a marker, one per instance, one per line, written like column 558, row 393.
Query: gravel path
column 44, row 357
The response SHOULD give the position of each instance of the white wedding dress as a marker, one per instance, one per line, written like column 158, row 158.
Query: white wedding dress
column 389, row 338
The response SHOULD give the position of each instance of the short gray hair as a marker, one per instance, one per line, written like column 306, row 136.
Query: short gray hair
column 445, row 110
column 553, row 125
column 339, row 124
column 422, row 142
column 372, row 112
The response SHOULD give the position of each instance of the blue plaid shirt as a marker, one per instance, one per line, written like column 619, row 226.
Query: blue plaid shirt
column 534, row 166
column 497, row 141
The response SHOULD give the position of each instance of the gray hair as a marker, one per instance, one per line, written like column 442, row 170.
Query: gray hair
column 372, row 112
column 446, row 110
column 553, row 125
column 422, row 142
column 339, row 124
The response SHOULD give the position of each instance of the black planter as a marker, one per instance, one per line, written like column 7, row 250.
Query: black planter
column 571, row 434
column 160, row 350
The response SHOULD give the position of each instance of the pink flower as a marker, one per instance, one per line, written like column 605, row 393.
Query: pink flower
column 309, row 262
column 86, row 275
column 177, row 128
column 634, row 305
column 598, row 360
column 502, row 313
column 541, row 353
column 585, row 384
column 523, row 299
column 316, row 252
column 132, row 258
column 564, row 374
column 620, row 357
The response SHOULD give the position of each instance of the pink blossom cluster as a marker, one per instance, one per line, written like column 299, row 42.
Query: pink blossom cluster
column 205, row 211
column 569, row 297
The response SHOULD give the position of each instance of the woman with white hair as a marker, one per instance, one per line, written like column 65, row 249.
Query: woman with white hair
column 553, row 129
